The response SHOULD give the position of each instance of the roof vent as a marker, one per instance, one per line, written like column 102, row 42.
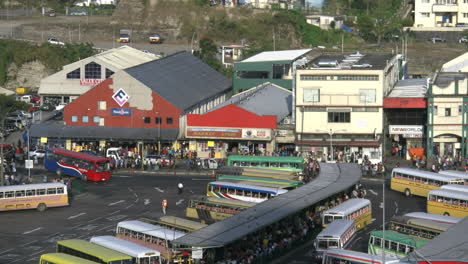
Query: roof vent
column 328, row 63
column 364, row 65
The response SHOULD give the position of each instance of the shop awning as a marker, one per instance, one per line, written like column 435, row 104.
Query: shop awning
column 102, row 133
column 338, row 143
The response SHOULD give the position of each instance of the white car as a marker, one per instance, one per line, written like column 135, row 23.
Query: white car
column 38, row 153
column 60, row 106
column 55, row 41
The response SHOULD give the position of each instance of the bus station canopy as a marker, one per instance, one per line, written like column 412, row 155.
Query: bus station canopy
column 333, row 178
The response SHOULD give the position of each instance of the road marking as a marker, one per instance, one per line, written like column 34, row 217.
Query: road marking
column 34, row 241
column 179, row 202
column 8, row 250
column 114, row 212
column 373, row 192
column 381, row 205
column 116, row 217
column 34, row 230
column 129, row 206
column 105, row 227
column 94, row 219
column 75, row 216
column 147, row 201
column 35, row 253
column 159, row 189
column 199, row 179
column 114, row 203
column 121, row 176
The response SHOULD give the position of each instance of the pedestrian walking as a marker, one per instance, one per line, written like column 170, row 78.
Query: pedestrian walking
column 180, row 187
column 164, row 206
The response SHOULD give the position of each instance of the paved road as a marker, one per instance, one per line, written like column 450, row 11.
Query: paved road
column 28, row 234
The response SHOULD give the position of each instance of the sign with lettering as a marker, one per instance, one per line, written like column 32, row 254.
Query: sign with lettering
column 121, row 97
column 255, row 133
column 208, row 132
column 90, row 82
column 121, row 112
column 417, row 131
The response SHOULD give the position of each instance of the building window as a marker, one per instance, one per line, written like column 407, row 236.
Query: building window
column 147, row 120
column 169, row 121
column 436, row 110
column 109, row 73
column 425, row 1
column 448, row 111
column 465, row 1
column 311, row 95
column 365, row 109
column 366, row 96
column 157, row 120
column 84, row 119
column 357, row 77
column 74, row 74
column 280, row 70
column 252, row 74
column 425, row 14
column 465, row 15
column 460, row 110
column 313, row 77
column 102, row 105
column 96, row 119
column 74, row 119
column 92, row 71
column 339, row 117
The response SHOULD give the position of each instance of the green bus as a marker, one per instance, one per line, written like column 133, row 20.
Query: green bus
column 395, row 244
column 60, row 258
column 175, row 223
column 293, row 164
column 267, row 182
column 86, row 250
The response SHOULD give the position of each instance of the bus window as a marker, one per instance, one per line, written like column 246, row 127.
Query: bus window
column 224, row 190
column 336, row 217
column 401, row 248
column 394, row 246
column 244, row 164
column 59, row 190
column 9, row 194
column 263, row 164
column 322, row 244
column 51, row 191
column 1, row 195
column 239, row 192
column 274, row 165
column 332, row 244
column 19, row 193
column 247, row 193
column 328, row 219
column 377, row 241
column 30, row 192
column 41, row 191
column 386, row 244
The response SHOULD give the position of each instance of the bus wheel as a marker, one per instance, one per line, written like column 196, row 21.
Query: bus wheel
column 41, row 207
column 446, row 214
column 58, row 171
column 84, row 177
column 407, row 193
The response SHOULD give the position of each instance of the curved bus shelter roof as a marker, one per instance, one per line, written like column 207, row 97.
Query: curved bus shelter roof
column 333, row 178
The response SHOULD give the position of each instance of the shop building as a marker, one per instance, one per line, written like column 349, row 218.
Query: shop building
column 143, row 103
column 77, row 78
column 339, row 104
column 247, row 122
column 405, row 117
column 269, row 66
column 447, row 109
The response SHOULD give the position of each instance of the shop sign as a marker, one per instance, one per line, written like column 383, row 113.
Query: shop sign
column 197, row 253
column 102, row 143
column 121, row 97
column 406, row 130
column 412, row 135
column 43, row 140
column 90, row 82
column 210, row 144
column 253, row 133
column 68, row 144
column 214, row 132
column 121, row 112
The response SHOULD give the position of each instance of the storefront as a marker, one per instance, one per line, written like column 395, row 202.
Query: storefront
column 408, row 140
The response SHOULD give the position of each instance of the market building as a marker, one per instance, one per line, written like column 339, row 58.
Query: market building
column 141, row 105
column 77, row 78
column 447, row 109
column 339, row 104
column 247, row 122
column 269, row 66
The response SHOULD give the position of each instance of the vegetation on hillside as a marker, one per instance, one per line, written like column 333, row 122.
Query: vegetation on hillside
column 53, row 56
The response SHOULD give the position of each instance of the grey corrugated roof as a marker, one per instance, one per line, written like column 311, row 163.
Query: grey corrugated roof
column 333, row 179
column 376, row 61
column 265, row 99
column 450, row 245
column 53, row 130
column 410, row 88
column 182, row 79
column 444, row 79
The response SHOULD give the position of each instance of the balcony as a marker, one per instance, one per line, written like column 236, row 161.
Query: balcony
column 445, row 6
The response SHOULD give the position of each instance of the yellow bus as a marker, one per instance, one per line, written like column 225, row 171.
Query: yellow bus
column 448, row 202
column 357, row 209
column 61, row 258
column 32, row 196
column 417, row 227
column 176, row 223
column 418, row 182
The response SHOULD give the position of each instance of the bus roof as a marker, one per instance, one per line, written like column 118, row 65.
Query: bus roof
column 336, row 228
column 101, row 252
column 182, row 222
column 459, row 174
column 32, row 186
column 222, row 201
column 401, row 238
column 360, row 256
column 433, row 217
column 455, row 187
column 449, row 194
column 266, row 171
column 421, row 222
column 260, row 179
column 426, row 174
column 248, row 187
column 124, row 246
column 262, row 184
column 78, row 155
column 65, row 259
column 152, row 230
column 266, row 158
column 348, row 206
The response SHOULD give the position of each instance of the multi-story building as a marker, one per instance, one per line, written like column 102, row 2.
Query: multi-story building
column 440, row 13
column 339, row 104
column 447, row 110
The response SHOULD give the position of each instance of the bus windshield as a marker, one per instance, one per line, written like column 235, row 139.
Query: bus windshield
column 103, row 166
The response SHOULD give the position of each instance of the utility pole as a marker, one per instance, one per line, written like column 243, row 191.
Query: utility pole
column 2, row 177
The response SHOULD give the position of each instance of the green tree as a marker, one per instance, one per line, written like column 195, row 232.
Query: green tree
column 207, row 53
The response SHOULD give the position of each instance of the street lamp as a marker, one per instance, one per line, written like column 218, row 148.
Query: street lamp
column 331, row 132
column 159, row 120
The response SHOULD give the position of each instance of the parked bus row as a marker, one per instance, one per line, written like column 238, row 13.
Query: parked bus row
column 292, row 164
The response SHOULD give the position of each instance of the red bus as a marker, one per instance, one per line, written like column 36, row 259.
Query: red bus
column 87, row 167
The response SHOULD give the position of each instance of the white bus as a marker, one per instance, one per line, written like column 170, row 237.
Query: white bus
column 140, row 254
column 337, row 235
column 343, row 256
column 455, row 187
column 356, row 209
column 459, row 174
column 33, row 196
column 436, row 218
